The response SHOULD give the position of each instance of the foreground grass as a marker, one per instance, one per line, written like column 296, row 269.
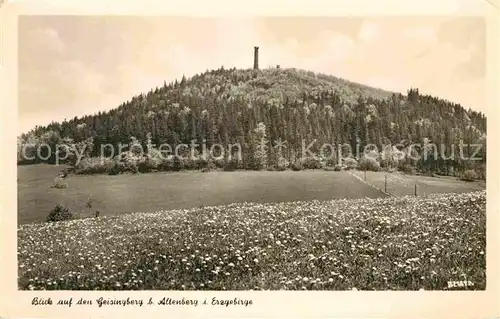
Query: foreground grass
column 391, row 243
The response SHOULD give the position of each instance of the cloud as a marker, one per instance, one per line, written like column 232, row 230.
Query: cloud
column 420, row 33
column 369, row 31
column 78, row 77
column 46, row 39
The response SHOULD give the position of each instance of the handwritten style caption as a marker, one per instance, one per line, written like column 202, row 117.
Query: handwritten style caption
column 132, row 302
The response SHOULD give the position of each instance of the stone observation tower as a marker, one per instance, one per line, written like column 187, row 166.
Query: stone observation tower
column 255, row 58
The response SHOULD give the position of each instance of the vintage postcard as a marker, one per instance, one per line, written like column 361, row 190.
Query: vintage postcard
column 259, row 159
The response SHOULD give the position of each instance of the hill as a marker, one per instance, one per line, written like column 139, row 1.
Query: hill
column 252, row 108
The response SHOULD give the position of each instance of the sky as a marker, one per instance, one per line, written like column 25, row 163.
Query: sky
column 75, row 65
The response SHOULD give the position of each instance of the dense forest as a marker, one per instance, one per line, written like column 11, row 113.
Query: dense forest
column 252, row 108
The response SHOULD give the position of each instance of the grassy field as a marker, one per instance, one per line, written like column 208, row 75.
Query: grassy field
column 400, row 184
column 405, row 243
column 113, row 195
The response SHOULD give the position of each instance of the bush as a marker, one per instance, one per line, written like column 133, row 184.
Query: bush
column 408, row 169
column 122, row 167
column 311, row 163
column 207, row 166
column 481, row 172
column 297, row 165
column 127, row 162
column 146, row 165
column 282, row 164
column 469, row 175
column 231, row 165
column 337, row 168
column 350, row 163
column 172, row 163
column 189, row 163
column 114, row 170
column 94, row 165
column 331, row 161
column 200, row 163
column 177, row 164
column 280, row 168
column 219, row 162
column 368, row 164
column 59, row 213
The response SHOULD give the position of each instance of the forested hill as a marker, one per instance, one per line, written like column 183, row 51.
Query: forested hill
column 226, row 106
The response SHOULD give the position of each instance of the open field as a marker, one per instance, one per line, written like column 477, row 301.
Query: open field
column 399, row 184
column 113, row 195
column 406, row 243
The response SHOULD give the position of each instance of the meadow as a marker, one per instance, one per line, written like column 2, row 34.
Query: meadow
column 400, row 184
column 305, row 230
column 149, row 192
column 391, row 243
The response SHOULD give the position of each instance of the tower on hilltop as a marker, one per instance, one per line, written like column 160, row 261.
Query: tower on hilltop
column 255, row 58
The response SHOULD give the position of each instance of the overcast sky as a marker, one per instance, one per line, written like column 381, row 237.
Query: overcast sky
column 75, row 65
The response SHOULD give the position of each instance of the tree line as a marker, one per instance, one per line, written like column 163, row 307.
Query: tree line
column 252, row 107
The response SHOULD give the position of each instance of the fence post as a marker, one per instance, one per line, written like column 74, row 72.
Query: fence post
column 365, row 175
column 385, row 184
column 415, row 189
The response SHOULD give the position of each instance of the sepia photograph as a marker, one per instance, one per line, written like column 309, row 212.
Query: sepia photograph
column 251, row 153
